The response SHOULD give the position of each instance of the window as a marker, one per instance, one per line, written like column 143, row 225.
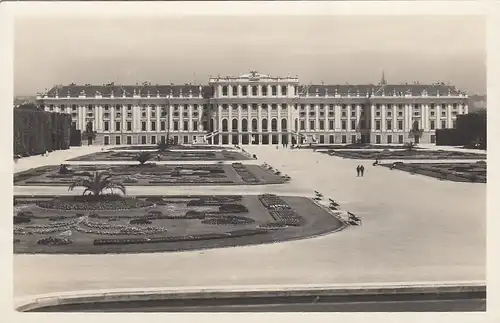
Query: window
column 162, row 125
column 73, row 107
column 106, row 127
column 235, row 90
column 344, row 125
column 118, row 140
column 254, row 90
column 389, row 139
column 331, row 139
column 353, row 114
column 433, row 125
column 321, row 125
column 195, row 125
column 353, row 139
column 377, row 125
column 453, row 123
column 302, row 125
column 264, row 90
column 106, row 140
column 443, row 124
column 143, row 140
column 244, row 91
column 344, row 139
column 321, row 139
column 433, row 139
column 129, row 107
column 400, row 139
column 284, row 90
column 129, row 140
column 353, row 124
column 400, row 125
column 129, row 126
column 311, row 124
column 176, row 125
column 389, row 124
column 274, row 90
column 331, row 124
column 185, row 126
column 153, row 140
column 377, row 139
column 224, row 90
column 153, row 125
column 143, row 126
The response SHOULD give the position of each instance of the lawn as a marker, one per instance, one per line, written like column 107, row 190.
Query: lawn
column 112, row 155
column 155, row 175
column 73, row 225
column 457, row 172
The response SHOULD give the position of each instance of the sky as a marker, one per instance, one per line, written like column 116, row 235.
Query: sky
column 187, row 49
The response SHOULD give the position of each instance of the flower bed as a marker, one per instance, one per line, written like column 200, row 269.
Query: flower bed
column 53, row 241
column 280, row 211
column 105, row 202
column 458, row 172
column 405, row 154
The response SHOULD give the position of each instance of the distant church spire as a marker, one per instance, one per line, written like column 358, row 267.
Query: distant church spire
column 383, row 81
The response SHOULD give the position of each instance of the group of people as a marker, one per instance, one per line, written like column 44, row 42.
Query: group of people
column 360, row 170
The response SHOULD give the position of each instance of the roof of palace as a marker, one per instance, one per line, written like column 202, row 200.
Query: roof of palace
column 206, row 91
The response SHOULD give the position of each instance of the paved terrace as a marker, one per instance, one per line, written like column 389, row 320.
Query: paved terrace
column 414, row 229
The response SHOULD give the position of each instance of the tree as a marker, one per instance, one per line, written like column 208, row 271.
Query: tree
column 416, row 133
column 162, row 145
column 96, row 183
column 143, row 157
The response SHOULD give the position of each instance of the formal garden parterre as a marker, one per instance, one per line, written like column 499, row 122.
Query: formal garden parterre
column 457, row 172
column 93, row 224
column 172, row 147
column 167, row 155
column 150, row 174
column 404, row 154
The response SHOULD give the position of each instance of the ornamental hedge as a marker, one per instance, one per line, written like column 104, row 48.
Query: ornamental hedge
column 36, row 132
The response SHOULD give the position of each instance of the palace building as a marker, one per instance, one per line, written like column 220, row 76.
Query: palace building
column 258, row 109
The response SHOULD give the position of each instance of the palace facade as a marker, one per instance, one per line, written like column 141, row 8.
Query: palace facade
column 258, row 109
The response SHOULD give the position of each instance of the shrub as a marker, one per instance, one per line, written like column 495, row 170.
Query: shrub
column 140, row 221
column 232, row 208
column 191, row 214
column 21, row 219
column 27, row 214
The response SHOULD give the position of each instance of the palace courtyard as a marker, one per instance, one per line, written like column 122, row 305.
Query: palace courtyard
column 414, row 229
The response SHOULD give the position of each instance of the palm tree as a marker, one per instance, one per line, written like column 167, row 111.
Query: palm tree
column 143, row 157
column 96, row 183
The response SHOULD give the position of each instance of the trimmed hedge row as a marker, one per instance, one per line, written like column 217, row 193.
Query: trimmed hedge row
column 36, row 132
column 208, row 236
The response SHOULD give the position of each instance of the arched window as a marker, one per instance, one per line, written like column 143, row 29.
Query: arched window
column 254, row 90
column 283, row 124
column 274, row 124
column 284, row 90
column 264, row 124
column 274, row 90
column 244, row 125
column 264, row 90
column 224, row 125
column 255, row 125
column 244, row 90
column 235, row 90
column 234, row 125
column 224, row 90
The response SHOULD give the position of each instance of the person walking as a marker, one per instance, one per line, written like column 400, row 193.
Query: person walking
column 362, row 170
column 358, row 170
